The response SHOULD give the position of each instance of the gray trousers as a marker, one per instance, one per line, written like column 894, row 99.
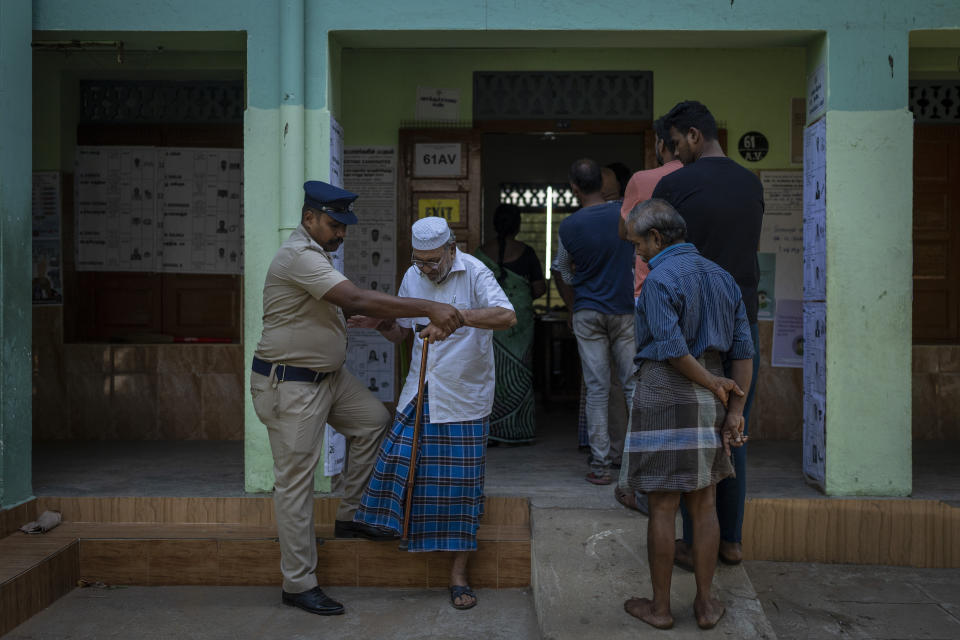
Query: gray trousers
column 606, row 346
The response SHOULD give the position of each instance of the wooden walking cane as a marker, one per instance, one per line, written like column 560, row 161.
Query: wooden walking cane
column 411, row 472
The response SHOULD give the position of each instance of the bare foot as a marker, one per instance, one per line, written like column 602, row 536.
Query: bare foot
column 708, row 612
column 643, row 608
column 682, row 555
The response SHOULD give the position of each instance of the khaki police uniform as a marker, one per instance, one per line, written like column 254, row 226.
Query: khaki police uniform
column 300, row 329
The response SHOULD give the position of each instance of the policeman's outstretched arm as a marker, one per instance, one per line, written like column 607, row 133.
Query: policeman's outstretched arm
column 496, row 318
column 353, row 299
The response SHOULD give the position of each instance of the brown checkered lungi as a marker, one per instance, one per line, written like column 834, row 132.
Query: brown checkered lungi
column 674, row 442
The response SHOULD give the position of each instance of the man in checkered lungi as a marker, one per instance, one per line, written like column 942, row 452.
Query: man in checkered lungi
column 690, row 319
column 458, row 398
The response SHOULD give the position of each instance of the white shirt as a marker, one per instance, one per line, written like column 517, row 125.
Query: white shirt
column 460, row 369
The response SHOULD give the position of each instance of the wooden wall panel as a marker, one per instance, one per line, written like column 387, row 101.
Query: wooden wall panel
column 15, row 517
column 34, row 590
column 915, row 533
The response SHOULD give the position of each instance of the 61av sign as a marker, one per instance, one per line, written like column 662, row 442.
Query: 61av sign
column 437, row 160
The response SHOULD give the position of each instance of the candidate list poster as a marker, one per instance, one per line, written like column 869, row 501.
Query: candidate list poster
column 47, row 283
column 202, row 210
column 369, row 257
column 116, row 203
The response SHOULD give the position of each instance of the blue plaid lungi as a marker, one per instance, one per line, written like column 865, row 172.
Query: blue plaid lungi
column 448, row 492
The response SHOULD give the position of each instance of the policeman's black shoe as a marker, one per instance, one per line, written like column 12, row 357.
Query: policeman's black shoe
column 349, row 529
column 314, row 601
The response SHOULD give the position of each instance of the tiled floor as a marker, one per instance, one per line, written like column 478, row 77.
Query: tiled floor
column 857, row 601
column 550, row 471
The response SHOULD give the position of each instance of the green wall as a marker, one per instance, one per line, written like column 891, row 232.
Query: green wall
column 746, row 89
column 861, row 39
column 15, row 254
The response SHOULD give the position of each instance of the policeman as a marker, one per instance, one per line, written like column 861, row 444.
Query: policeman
column 299, row 383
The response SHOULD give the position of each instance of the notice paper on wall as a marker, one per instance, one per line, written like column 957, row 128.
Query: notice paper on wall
column 175, row 210
column 438, row 104
column 814, row 438
column 47, row 258
column 815, row 211
column 787, row 348
column 781, row 238
column 369, row 257
column 766, row 286
column 336, row 153
column 335, row 451
column 370, row 359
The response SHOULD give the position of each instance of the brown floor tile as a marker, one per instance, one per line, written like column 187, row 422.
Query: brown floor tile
column 134, row 359
column 926, row 417
column 926, row 358
column 948, row 390
column 80, row 359
column 15, row 517
column 178, row 407
column 949, row 358
column 179, row 562
column 180, row 359
column 338, row 562
column 514, row 564
column 115, row 561
column 483, row 567
column 226, row 358
column 438, row 569
column 133, row 407
column 381, row 564
column 88, row 402
column 221, row 399
column 249, row 562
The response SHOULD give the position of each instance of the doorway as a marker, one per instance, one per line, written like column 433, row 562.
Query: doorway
column 137, row 341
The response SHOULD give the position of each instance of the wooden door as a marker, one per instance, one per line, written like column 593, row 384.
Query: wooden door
column 438, row 174
column 936, row 234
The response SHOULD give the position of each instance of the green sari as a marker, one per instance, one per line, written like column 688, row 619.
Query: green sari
column 512, row 419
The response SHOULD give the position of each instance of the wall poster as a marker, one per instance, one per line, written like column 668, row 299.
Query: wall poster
column 788, row 347
column 46, row 282
column 159, row 209
column 781, row 240
column 814, row 302
column 369, row 257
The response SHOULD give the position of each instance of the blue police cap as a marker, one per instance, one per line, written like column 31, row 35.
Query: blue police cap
column 333, row 201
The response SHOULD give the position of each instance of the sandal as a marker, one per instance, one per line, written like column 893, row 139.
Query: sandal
column 629, row 500
column 599, row 478
column 459, row 590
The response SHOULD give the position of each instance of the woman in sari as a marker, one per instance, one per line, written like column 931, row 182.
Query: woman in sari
column 520, row 274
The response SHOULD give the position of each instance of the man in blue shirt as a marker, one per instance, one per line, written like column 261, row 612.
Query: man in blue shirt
column 690, row 319
column 598, row 265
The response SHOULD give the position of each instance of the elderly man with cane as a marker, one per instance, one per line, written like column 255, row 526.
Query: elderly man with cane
column 456, row 391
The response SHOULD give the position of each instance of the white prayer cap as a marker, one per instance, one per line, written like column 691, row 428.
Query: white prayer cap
column 430, row 233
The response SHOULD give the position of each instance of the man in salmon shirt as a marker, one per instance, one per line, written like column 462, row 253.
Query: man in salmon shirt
column 640, row 188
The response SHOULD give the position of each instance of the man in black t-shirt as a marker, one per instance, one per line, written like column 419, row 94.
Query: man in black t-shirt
column 722, row 203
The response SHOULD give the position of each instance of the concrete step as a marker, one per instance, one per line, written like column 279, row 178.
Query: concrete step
column 254, row 613
column 587, row 562
column 230, row 542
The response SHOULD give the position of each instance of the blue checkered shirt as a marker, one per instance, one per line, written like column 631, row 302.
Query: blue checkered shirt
column 689, row 304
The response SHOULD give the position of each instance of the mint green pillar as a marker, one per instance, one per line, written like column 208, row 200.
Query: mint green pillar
column 16, row 125
column 869, row 141
column 291, row 115
column 290, row 135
